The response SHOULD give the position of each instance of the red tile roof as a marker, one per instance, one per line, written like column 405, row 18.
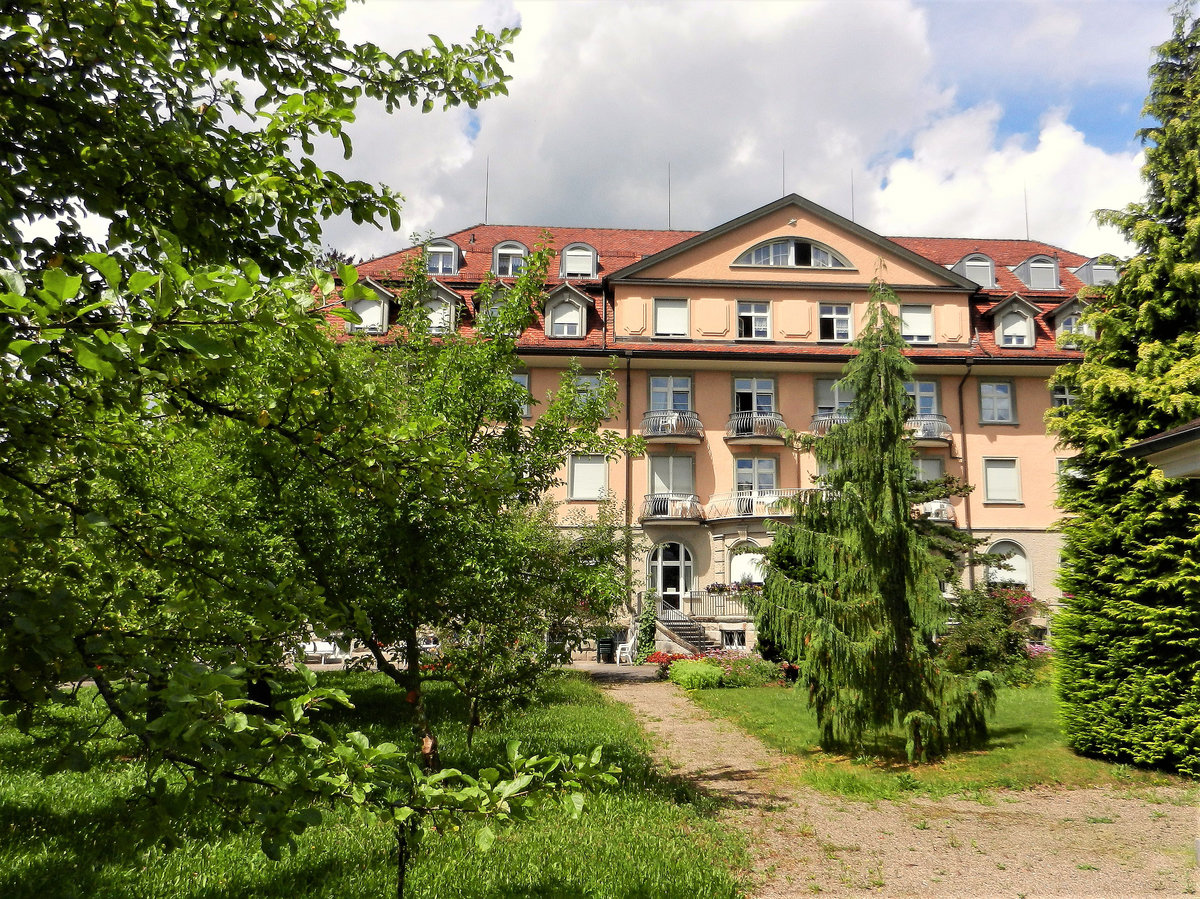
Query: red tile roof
column 1005, row 254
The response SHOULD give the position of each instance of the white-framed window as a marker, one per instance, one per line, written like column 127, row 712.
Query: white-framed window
column 754, row 320
column 441, row 258
column 441, row 315
column 753, row 394
column 672, row 474
column 833, row 396
column 1069, row 327
column 1061, row 395
column 509, row 259
column 834, row 321
column 1018, row 564
column 924, row 395
column 1016, row 329
column 731, row 639
column 522, row 378
column 587, row 477
column 747, row 567
column 373, row 313
column 755, row 475
column 670, row 318
column 792, row 253
column 579, row 261
column 979, row 269
column 670, row 393
column 564, row 319
column 930, row 468
column 1001, row 481
column 916, row 323
column 996, row 404
column 1043, row 273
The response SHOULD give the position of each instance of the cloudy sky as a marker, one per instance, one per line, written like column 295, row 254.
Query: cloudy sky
column 913, row 117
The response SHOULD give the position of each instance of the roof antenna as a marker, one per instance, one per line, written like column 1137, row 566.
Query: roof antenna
column 783, row 173
column 852, row 195
column 1025, row 191
column 487, row 186
column 668, row 196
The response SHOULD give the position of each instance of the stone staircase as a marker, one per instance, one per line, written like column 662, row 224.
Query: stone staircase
column 684, row 631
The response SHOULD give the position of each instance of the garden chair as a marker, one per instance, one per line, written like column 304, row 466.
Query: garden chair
column 627, row 649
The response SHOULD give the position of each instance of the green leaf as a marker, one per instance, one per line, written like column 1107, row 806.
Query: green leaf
column 107, row 266
column 61, row 285
column 484, row 839
column 140, row 281
column 88, row 358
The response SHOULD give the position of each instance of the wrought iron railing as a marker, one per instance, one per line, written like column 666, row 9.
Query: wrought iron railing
column 938, row 510
column 748, row 504
column 714, row 604
column 929, row 426
column 672, row 506
column 672, row 424
column 754, row 424
column 823, row 421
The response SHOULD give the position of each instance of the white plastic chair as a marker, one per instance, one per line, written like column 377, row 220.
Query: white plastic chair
column 627, row 650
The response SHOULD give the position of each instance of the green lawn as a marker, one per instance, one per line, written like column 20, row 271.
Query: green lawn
column 1025, row 749
column 650, row 836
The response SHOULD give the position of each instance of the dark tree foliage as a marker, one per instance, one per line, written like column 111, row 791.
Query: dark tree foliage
column 1128, row 638
column 852, row 591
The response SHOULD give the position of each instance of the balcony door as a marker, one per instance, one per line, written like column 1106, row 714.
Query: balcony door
column 669, row 475
column 670, row 393
column 670, row 574
column 754, row 477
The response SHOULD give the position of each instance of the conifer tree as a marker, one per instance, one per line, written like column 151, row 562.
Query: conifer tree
column 852, row 591
column 1128, row 638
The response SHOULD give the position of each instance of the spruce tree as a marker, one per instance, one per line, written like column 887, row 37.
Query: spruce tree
column 852, row 591
column 1128, row 638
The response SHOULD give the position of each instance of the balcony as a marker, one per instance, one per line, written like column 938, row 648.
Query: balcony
column 937, row 510
column 754, row 427
column 677, row 508
column 823, row 421
column 746, row 504
column 672, row 427
column 714, row 604
column 929, row 429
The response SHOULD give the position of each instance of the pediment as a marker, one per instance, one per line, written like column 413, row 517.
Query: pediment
column 1014, row 301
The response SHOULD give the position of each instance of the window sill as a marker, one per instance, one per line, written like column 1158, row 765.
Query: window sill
column 1003, row 502
column 1002, row 424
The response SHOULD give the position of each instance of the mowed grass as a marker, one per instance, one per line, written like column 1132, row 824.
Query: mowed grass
column 60, row 835
column 1025, row 749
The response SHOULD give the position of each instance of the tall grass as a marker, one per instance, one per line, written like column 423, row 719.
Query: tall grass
column 61, row 836
column 1025, row 749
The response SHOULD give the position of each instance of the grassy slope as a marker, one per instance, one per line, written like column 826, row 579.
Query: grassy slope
column 647, row 837
column 1025, row 749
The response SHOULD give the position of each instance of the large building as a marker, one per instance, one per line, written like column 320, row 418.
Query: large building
column 722, row 340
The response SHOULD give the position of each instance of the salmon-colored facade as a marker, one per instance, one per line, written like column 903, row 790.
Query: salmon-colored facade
column 723, row 342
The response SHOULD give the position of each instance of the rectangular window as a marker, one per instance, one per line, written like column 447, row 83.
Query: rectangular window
column 671, row 474
column 753, row 394
column 755, row 474
column 522, row 378
column 1001, row 481
column 587, row 476
column 733, row 639
column 996, row 402
column 373, row 314
column 588, row 383
column 1043, row 276
column 566, row 320
column 578, row 263
column 924, row 395
column 441, row 262
column 833, row 396
column 930, row 468
column 1062, row 396
column 670, row 393
column 1016, row 329
column 754, row 320
column 916, row 324
column 670, row 318
column 835, row 321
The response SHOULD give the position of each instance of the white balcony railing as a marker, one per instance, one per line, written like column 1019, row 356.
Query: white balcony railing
column 754, row 424
column 672, row 424
column 929, row 426
column 823, row 421
column 706, row 604
column 672, row 507
column 747, row 504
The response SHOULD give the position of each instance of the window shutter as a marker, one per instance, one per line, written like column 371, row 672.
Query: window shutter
column 671, row 318
column 1000, row 477
column 579, row 263
column 588, row 476
column 916, row 322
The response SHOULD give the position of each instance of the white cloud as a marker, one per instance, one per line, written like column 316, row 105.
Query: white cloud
column 605, row 95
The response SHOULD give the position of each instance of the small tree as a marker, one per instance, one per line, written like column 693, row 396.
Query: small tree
column 1127, row 640
column 852, row 591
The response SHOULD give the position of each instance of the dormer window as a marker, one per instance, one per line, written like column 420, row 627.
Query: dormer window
column 566, row 313
column 1094, row 273
column 373, row 310
column 579, row 261
column 441, row 314
column 1015, row 329
column 1068, row 323
column 979, row 269
column 509, row 259
column 1038, row 273
column 441, row 258
column 791, row 253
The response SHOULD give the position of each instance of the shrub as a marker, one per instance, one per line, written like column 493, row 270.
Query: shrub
column 992, row 633
column 741, row 670
column 664, row 660
column 695, row 674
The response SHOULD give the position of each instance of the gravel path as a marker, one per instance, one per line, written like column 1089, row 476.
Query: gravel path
column 1079, row 843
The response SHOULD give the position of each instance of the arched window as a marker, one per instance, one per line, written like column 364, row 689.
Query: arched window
column 747, row 567
column 1016, row 329
column 565, row 318
column 441, row 315
column 509, row 259
column 669, row 573
column 1018, row 564
column 441, row 258
column 1038, row 273
column 579, row 261
column 979, row 269
column 792, row 253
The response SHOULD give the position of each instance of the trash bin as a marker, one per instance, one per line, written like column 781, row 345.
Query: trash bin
column 605, row 649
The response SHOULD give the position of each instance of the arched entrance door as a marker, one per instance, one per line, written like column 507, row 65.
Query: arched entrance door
column 670, row 574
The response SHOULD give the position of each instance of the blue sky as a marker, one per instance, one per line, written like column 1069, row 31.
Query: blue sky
column 952, row 118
